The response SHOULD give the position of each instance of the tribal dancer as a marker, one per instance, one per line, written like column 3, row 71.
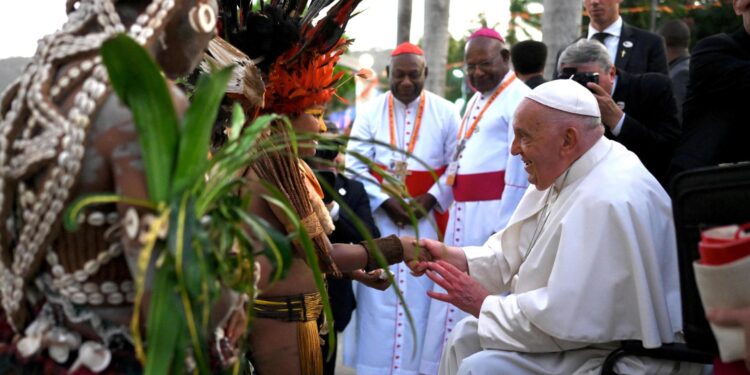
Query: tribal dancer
column 297, row 61
column 67, row 298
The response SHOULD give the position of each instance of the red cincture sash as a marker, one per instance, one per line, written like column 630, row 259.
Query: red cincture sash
column 418, row 183
column 479, row 186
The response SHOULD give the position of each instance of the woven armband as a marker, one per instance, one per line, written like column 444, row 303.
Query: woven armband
column 390, row 247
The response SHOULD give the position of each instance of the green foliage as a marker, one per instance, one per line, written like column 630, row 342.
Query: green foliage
column 518, row 10
column 193, row 150
column 151, row 105
column 202, row 237
column 453, row 85
column 206, row 246
column 713, row 20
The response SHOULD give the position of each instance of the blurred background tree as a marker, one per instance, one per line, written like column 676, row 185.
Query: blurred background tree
column 521, row 19
column 454, row 73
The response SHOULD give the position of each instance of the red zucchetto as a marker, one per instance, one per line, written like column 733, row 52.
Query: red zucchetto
column 407, row 48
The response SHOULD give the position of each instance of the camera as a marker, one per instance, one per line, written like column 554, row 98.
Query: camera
column 583, row 77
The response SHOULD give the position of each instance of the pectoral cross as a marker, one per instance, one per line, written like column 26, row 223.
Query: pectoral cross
column 400, row 171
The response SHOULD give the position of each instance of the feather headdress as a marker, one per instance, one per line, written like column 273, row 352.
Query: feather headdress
column 246, row 84
column 296, row 45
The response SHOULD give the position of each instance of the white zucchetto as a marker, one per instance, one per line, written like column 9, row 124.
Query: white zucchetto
column 566, row 95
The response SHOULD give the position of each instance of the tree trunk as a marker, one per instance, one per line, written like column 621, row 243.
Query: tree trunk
column 435, row 43
column 561, row 25
column 654, row 11
column 404, row 21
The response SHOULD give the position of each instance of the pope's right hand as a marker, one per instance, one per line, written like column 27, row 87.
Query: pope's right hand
column 433, row 251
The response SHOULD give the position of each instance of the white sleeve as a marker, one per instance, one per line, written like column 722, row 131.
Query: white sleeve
column 440, row 190
column 488, row 266
column 361, row 145
column 516, row 181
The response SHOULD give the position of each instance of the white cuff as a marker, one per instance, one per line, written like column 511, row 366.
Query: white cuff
column 618, row 128
column 334, row 211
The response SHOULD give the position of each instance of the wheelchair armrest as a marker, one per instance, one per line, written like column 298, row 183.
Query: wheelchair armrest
column 674, row 352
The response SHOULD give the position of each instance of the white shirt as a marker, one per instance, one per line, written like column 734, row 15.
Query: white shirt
column 618, row 128
column 613, row 40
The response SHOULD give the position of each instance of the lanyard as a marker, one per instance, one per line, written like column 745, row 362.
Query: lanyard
column 417, row 124
column 464, row 137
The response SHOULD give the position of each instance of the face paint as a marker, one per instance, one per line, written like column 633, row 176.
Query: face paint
column 317, row 113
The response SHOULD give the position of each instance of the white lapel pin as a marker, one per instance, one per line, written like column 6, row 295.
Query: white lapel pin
column 627, row 44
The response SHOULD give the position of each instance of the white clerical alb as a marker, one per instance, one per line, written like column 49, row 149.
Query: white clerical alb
column 385, row 343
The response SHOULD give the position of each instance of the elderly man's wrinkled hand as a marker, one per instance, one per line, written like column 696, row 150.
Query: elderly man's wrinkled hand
column 374, row 279
column 734, row 317
column 461, row 290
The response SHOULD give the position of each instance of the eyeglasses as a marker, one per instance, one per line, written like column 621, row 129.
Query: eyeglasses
column 484, row 65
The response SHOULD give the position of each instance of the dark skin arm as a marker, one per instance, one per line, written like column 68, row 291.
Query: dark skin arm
column 421, row 205
column 396, row 211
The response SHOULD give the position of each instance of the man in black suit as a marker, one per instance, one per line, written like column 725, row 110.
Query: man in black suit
column 715, row 111
column 638, row 110
column 352, row 194
column 632, row 49
column 528, row 59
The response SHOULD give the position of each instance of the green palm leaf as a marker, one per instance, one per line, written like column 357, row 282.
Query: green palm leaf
column 196, row 130
column 151, row 105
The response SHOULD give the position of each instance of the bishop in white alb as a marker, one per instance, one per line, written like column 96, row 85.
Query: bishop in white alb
column 385, row 342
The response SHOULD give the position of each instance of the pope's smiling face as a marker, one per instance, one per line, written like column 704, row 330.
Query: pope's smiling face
column 539, row 143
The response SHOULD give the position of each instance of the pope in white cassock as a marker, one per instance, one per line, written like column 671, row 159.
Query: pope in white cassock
column 588, row 257
column 489, row 182
column 412, row 120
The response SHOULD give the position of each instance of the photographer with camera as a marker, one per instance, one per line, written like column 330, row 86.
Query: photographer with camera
column 638, row 111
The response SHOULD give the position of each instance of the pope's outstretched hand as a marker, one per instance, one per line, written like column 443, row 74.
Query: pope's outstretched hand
column 432, row 250
column 461, row 290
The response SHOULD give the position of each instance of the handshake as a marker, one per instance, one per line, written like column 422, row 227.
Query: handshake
column 385, row 251
column 415, row 253
column 446, row 266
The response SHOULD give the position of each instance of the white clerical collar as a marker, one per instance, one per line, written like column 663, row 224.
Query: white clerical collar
column 583, row 165
column 614, row 29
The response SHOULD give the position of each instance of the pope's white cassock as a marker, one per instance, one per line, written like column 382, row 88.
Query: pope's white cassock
column 489, row 185
column 384, row 339
column 588, row 262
